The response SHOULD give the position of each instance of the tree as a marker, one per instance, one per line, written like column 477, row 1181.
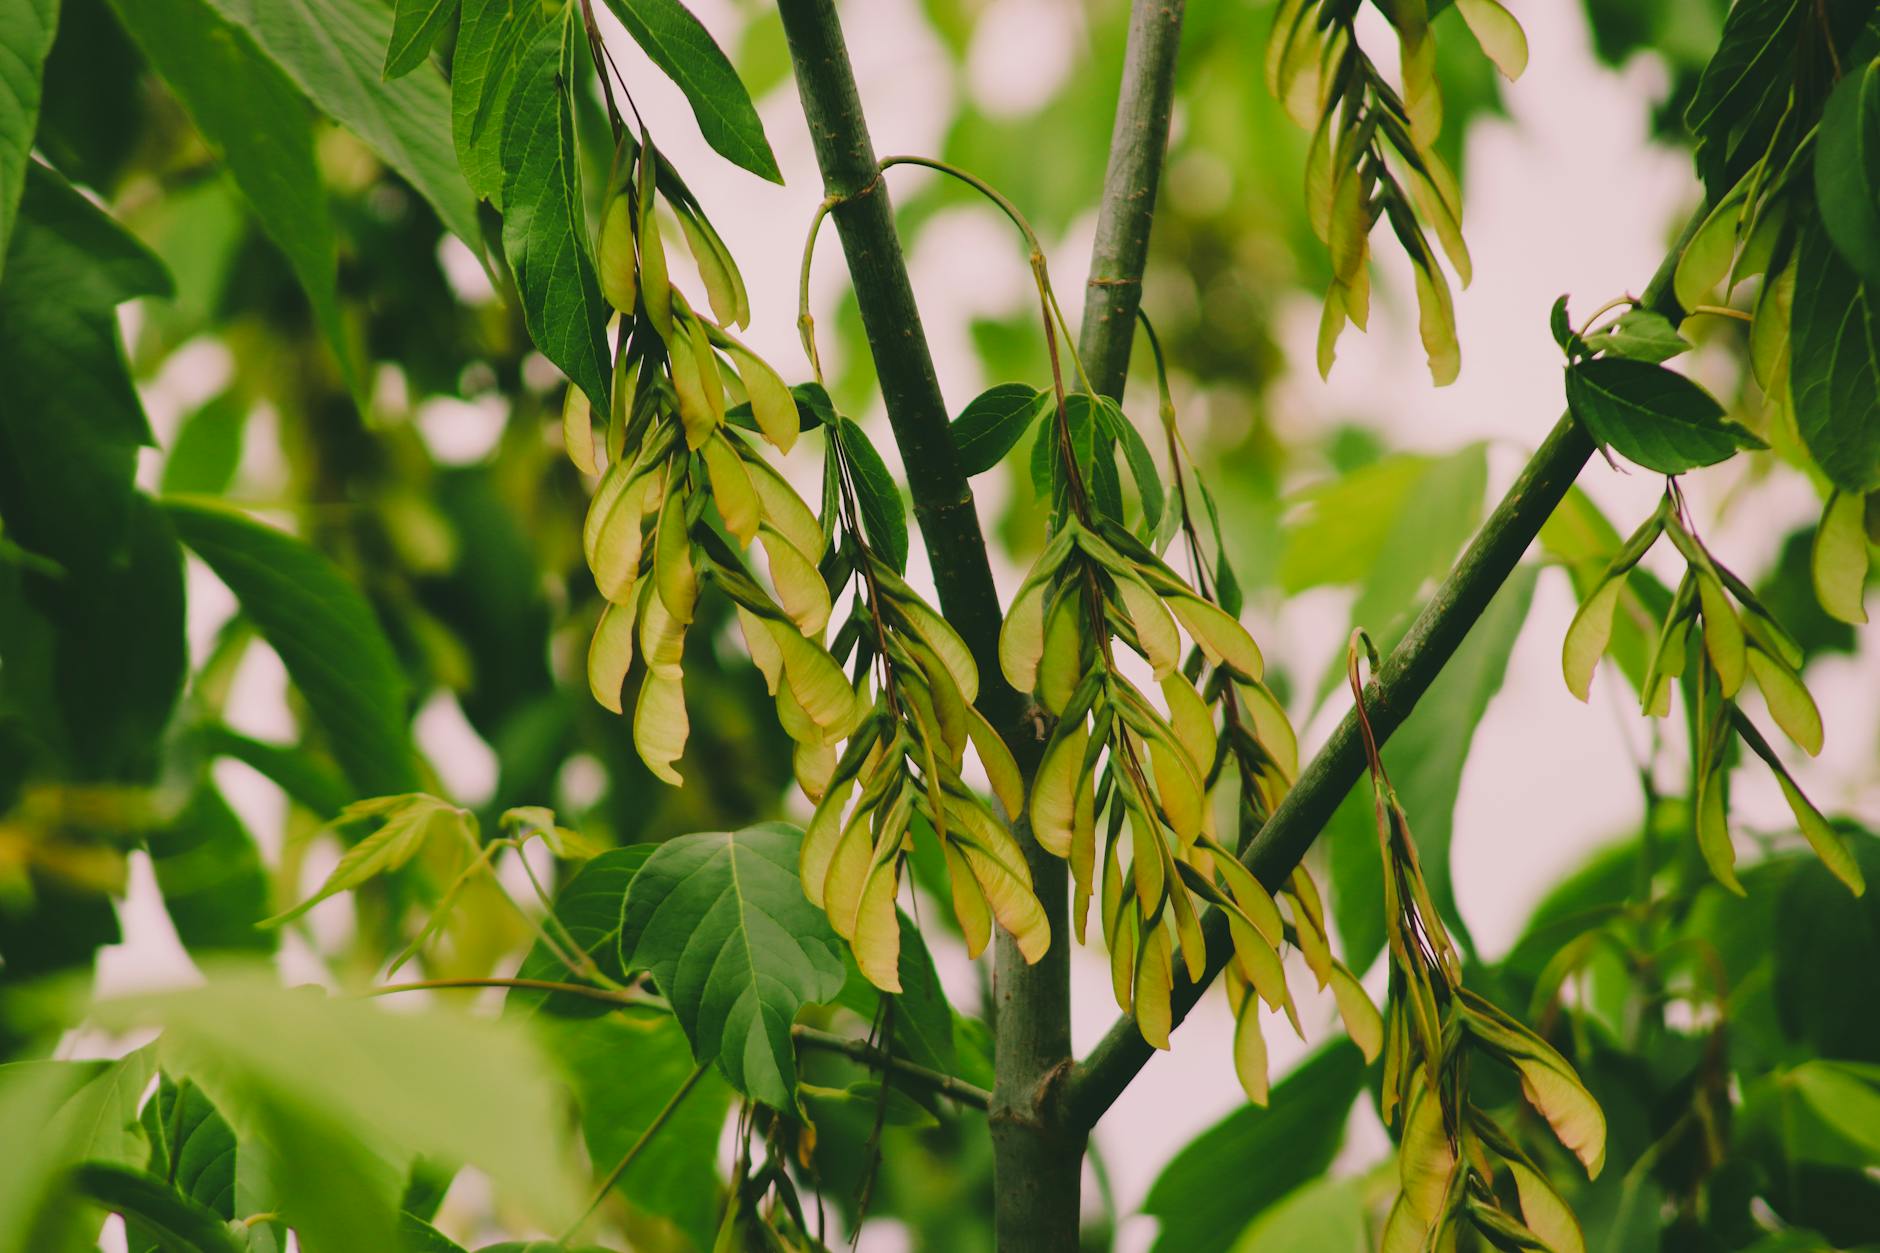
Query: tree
column 656, row 1015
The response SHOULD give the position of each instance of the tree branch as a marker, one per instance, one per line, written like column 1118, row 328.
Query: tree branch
column 1138, row 144
column 1095, row 1083
column 875, row 1059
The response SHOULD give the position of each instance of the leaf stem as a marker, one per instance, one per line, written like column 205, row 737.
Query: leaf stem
column 610, row 995
column 620, row 1167
column 878, row 1059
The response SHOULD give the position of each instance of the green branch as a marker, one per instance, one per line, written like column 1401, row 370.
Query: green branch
column 1095, row 1083
column 903, row 1070
column 1138, row 144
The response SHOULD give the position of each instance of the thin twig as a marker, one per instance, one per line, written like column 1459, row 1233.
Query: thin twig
column 620, row 1168
column 899, row 1067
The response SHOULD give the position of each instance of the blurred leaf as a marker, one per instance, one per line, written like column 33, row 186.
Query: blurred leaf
column 26, row 34
column 720, row 920
column 179, row 1224
column 1326, row 1216
column 1788, row 592
column 884, row 513
column 1847, row 169
column 1835, row 366
column 99, row 1121
column 215, row 888
column 325, row 633
column 1830, row 1003
column 207, row 448
column 404, row 826
column 624, row 1068
column 416, row 28
column 544, row 228
column 993, row 423
column 1653, row 417
column 685, row 52
column 1231, row 1173
column 252, row 116
column 30, row 1095
column 1340, row 524
column 341, row 1086
column 309, row 781
column 1426, row 757
column 589, row 907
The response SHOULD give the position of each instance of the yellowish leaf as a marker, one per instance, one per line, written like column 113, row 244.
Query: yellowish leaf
column 1062, row 666
column 772, row 405
column 732, row 490
column 1551, row 1087
column 814, row 678
column 1155, row 982
column 1362, row 1021
column 799, row 584
column 969, row 902
column 1546, row 1214
column 1219, row 635
column 1713, row 834
column 877, row 938
column 1588, row 636
column 1191, row 720
column 1839, row 559
column 660, row 726
column 723, row 286
column 610, row 654
column 1789, row 702
column 1002, row 772
column 1054, row 788
column 1155, row 629
column 820, row 838
column 1829, row 844
column 655, row 278
column 1425, row 1158
column 1250, row 1049
column 1723, row 634
column 673, row 573
column 1501, row 37
column 613, row 260
column 577, row 430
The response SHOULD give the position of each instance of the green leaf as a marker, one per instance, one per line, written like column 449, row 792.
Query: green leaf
column 191, row 1145
column 257, row 123
column 309, row 781
column 1654, row 417
column 1835, row 366
column 343, row 1093
column 417, row 1236
column 207, row 449
column 720, row 920
column 491, row 38
column 1847, row 169
column 26, row 32
column 589, row 907
column 1339, row 525
column 39, row 1147
column 923, row 1021
column 416, row 26
column 333, row 50
column 1828, row 1005
column 99, row 1122
column 544, row 229
column 623, row 1069
column 1142, row 466
column 179, row 1224
column 1231, row 1173
column 72, row 424
column 684, row 52
column 215, row 888
column 1325, row 1215
column 1425, row 757
column 1741, row 82
column 326, row 635
column 884, row 513
column 994, row 422
column 1641, row 335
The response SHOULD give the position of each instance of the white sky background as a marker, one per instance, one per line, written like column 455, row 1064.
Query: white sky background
column 1566, row 195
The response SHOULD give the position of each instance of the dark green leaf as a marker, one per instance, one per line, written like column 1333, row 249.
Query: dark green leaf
column 179, row 1224
column 1425, row 759
column 491, row 39
column 326, row 635
column 1229, row 1174
column 1142, row 466
column 26, row 32
column 1827, row 976
column 1834, row 338
column 214, row 885
column 1640, row 334
column 1652, row 416
column 416, row 26
column 923, row 1021
column 684, row 52
column 72, row 424
column 191, row 1145
column 1847, row 169
column 1744, row 86
column 309, row 781
column 333, row 49
column 884, row 514
column 993, row 422
column 624, row 1068
column 590, row 907
column 255, row 119
column 1561, row 327
column 720, row 921
column 544, row 230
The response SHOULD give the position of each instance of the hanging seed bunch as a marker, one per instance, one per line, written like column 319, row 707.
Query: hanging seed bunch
column 903, row 762
column 1459, row 1169
column 683, row 494
column 1373, row 154
column 1718, row 627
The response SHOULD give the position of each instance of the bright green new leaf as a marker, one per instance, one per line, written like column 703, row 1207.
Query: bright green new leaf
column 544, row 228
column 685, row 52
column 1641, row 335
column 408, row 824
column 1652, row 416
column 326, row 635
column 720, row 921
column 26, row 31
column 255, row 119
column 1587, row 637
column 151, row 1207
